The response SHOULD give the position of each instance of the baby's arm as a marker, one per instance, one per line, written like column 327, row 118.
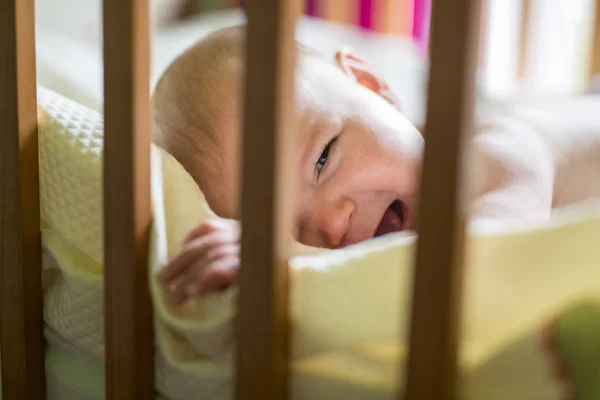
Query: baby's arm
column 540, row 154
column 513, row 173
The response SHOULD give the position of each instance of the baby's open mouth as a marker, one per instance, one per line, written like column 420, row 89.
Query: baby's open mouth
column 393, row 220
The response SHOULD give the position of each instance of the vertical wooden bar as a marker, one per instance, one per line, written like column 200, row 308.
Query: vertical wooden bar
column 343, row 11
column 437, row 292
column 21, row 318
column 483, row 37
column 268, row 180
column 525, row 40
column 387, row 16
column 595, row 63
column 394, row 16
column 127, row 207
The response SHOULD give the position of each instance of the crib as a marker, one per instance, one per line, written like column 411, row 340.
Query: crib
column 263, row 351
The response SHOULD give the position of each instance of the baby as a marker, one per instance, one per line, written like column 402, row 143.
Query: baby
column 359, row 158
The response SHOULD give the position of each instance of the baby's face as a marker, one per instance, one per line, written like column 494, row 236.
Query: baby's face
column 358, row 161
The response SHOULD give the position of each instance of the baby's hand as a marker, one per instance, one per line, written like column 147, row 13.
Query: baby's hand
column 208, row 262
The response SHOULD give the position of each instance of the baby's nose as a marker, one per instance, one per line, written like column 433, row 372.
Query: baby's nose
column 335, row 221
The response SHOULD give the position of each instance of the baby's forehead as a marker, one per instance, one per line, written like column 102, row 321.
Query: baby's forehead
column 320, row 84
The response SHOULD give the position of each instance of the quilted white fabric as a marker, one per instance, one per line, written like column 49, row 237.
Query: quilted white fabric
column 72, row 197
column 348, row 308
column 71, row 207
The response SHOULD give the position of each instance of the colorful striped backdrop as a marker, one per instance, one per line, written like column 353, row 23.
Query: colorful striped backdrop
column 518, row 38
column 404, row 17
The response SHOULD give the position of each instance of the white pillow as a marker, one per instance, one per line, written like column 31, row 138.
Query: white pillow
column 82, row 20
column 70, row 67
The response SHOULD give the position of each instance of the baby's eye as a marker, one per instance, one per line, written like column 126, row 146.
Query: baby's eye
column 324, row 155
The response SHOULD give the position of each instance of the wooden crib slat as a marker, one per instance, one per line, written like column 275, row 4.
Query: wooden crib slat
column 21, row 324
column 436, row 309
column 344, row 11
column 262, row 347
column 127, row 206
column 524, row 43
column 595, row 67
column 393, row 16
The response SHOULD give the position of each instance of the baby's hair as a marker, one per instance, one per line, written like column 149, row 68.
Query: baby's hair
column 196, row 95
column 189, row 102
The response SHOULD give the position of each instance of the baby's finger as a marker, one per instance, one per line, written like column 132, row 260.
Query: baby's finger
column 193, row 274
column 221, row 275
column 202, row 229
column 220, row 252
column 203, row 278
column 212, row 226
column 191, row 254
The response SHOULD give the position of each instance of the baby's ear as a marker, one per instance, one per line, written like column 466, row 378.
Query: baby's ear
column 364, row 74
